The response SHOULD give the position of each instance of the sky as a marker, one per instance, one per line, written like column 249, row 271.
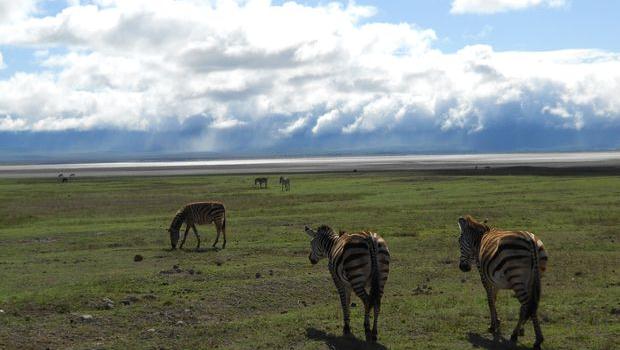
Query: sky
column 259, row 77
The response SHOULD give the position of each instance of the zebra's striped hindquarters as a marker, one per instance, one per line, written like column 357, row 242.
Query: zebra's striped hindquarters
column 358, row 262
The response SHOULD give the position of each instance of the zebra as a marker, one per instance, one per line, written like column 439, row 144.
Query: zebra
column 356, row 261
column 198, row 213
column 286, row 183
column 260, row 181
column 506, row 260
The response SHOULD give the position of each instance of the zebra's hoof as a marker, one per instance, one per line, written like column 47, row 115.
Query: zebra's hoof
column 513, row 338
column 346, row 331
column 536, row 347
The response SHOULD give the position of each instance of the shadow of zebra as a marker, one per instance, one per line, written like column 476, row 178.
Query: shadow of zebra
column 335, row 342
column 497, row 343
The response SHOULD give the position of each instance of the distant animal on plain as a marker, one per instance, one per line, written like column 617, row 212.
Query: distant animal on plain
column 260, row 181
column 199, row 213
column 285, row 183
column 356, row 261
column 506, row 260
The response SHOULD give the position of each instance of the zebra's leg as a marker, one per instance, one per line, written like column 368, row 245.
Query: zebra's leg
column 537, row 331
column 217, row 228
column 491, row 296
column 187, row 226
column 224, row 232
column 361, row 293
column 377, row 309
column 523, row 314
column 197, row 236
column 345, row 297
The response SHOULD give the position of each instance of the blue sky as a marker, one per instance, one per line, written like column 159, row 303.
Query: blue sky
column 308, row 77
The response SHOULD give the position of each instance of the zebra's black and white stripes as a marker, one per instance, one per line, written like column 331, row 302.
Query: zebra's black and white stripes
column 506, row 260
column 357, row 261
column 199, row 213
column 260, row 181
column 285, row 183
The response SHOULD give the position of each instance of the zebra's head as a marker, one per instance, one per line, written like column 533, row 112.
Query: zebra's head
column 318, row 251
column 174, row 237
column 469, row 241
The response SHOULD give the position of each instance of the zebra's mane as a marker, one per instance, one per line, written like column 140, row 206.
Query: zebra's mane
column 178, row 220
column 325, row 230
column 471, row 222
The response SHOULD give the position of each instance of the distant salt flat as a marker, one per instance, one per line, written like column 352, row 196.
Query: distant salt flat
column 316, row 164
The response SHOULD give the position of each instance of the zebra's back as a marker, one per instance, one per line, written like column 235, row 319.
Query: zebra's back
column 506, row 257
column 352, row 259
column 205, row 212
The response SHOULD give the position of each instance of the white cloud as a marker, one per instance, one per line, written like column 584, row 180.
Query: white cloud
column 495, row 6
column 14, row 10
column 271, row 72
column 2, row 65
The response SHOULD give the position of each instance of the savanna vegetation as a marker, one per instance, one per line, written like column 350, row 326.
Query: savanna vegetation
column 69, row 279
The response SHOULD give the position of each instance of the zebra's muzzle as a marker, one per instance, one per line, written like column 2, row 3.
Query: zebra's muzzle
column 465, row 267
column 312, row 261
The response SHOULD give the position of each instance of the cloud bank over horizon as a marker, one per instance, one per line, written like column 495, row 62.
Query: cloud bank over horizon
column 235, row 76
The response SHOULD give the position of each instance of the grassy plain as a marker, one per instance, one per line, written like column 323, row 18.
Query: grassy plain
column 65, row 247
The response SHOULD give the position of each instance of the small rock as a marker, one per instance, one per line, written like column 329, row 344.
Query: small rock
column 187, row 310
column 1, row 311
column 180, row 323
column 138, row 257
column 86, row 318
column 258, row 275
column 107, row 300
column 151, row 330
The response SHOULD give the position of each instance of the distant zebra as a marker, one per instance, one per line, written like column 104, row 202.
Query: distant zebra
column 285, row 182
column 506, row 260
column 260, row 181
column 356, row 261
column 199, row 213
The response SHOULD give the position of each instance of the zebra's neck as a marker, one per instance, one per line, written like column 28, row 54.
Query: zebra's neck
column 178, row 221
column 327, row 241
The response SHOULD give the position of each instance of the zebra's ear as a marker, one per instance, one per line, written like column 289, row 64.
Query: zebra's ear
column 309, row 231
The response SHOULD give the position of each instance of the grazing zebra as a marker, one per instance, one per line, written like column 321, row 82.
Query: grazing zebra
column 199, row 213
column 356, row 261
column 506, row 260
column 286, row 183
column 260, row 181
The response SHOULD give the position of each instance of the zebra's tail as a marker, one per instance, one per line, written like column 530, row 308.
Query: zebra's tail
column 375, row 286
column 534, row 280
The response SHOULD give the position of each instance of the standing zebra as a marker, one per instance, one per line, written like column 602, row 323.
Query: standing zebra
column 199, row 213
column 506, row 260
column 285, row 182
column 356, row 261
column 260, row 181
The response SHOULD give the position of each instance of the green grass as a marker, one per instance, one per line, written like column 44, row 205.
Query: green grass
column 64, row 247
